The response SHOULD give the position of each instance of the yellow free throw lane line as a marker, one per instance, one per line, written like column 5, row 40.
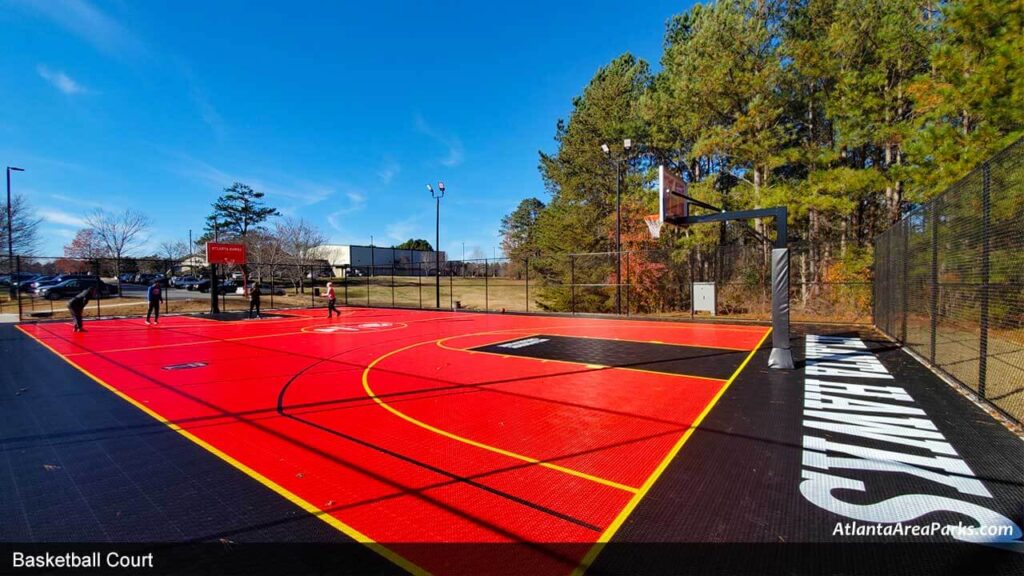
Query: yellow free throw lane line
column 464, row 440
column 280, row 490
column 609, row 532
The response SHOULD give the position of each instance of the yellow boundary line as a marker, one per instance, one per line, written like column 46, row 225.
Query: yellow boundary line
column 464, row 440
column 443, row 346
column 609, row 532
column 216, row 340
column 658, row 342
column 280, row 490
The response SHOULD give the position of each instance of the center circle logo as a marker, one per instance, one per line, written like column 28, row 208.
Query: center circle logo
column 360, row 327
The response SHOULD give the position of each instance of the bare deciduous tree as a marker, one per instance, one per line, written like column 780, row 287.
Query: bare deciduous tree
column 120, row 233
column 300, row 240
column 173, row 251
column 266, row 254
column 24, row 226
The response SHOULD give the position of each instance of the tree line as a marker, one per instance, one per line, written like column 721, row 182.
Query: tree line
column 848, row 112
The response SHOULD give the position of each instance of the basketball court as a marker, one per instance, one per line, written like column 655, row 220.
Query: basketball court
column 465, row 428
column 435, row 442
column 539, row 443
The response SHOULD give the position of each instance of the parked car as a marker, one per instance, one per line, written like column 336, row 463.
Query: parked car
column 26, row 285
column 193, row 283
column 6, row 280
column 127, row 277
column 69, row 288
column 38, row 285
column 265, row 289
column 227, row 286
column 179, row 281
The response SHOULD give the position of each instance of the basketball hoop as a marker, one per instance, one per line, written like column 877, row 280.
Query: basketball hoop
column 654, row 223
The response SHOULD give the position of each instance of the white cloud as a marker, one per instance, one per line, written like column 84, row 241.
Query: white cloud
column 62, row 218
column 402, row 230
column 60, row 80
column 79, row 201
column 278, row 186
column 207, row 112
column 455, row 152
column 65, row 233
column 89, row 23
column 356, row 199
column 389, row 170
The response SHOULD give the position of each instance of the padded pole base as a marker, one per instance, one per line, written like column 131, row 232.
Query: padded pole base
column 781, row 359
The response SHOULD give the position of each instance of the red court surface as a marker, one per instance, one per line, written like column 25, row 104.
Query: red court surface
column 387, row 426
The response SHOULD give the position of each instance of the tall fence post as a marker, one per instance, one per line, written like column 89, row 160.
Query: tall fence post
column 99, row 287
column 392, row 283
column 690, row 281
column 934, row 303
column 419, row 284
column 572, row 283
column 986, row 217
column 368, row 286
column 487, row 274
column 17, row 291
column 527, row 284
column 451, row 290
column 906, row 285
column 628, row 282
column 169, row 268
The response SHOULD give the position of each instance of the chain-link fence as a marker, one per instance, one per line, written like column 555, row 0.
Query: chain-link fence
column 950, row 281
column 653, row 283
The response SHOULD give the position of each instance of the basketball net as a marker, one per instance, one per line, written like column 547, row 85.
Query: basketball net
column 654, row 224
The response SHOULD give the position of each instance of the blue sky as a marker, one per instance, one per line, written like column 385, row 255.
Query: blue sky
column 340, row 111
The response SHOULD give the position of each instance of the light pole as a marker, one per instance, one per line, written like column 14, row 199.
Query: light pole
column 617, row 161
column 437, row 239
column 10, row 232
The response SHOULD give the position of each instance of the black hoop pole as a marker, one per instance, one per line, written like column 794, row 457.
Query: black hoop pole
column 781, row 356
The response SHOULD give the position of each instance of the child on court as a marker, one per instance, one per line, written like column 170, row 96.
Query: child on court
column 332, row 300
column 77, row 305
column 153, row 294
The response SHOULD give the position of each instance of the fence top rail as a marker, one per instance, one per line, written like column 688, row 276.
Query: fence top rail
column 997, row 158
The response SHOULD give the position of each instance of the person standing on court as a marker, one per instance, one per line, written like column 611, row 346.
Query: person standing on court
column 153, row 294
column 77, row 305
column 332, row 300
column 254, row 299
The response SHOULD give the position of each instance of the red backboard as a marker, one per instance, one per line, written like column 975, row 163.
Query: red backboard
column 672, row 205
column 222, row 253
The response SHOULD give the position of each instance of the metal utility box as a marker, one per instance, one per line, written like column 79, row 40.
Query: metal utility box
column 704, row 297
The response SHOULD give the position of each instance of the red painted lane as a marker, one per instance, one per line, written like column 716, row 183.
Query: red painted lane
column 395, row 479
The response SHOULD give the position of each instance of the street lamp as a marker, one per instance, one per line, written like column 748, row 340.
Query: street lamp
column 437, row 239
column 617, row 161
column 10, row 232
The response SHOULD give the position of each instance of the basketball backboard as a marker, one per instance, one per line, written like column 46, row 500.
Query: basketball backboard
column 672, row 204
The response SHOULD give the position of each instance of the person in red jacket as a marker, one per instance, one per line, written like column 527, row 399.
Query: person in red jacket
column 332, row 300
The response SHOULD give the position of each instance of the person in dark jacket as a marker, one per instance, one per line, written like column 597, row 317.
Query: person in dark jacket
column 153, row 295
column 254, row 299
column 77, row 305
